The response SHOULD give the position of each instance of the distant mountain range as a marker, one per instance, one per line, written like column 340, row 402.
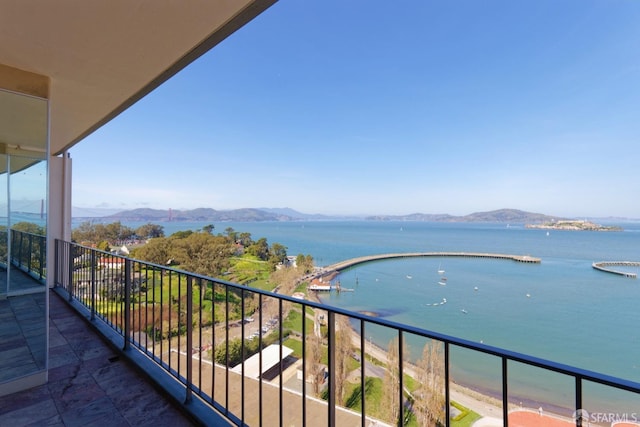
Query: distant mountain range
column 513, row 216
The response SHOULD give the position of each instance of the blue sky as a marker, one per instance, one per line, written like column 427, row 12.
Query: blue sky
column 378, row 107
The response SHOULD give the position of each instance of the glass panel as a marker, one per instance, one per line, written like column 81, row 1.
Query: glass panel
column 4, row 226
column 23, row 191
column 27, row 215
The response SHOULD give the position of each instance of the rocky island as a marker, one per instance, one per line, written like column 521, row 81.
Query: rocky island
column 573, row 225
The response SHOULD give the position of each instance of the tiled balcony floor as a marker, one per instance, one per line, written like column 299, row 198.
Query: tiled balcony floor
column 88, row 384
column 22, row 335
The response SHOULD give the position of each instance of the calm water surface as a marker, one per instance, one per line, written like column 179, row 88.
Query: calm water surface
column 561, row 309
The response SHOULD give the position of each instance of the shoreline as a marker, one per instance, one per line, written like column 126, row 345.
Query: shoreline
column 481, row 401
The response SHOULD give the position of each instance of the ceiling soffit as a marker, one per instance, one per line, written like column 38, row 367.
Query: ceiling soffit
column 103, row 56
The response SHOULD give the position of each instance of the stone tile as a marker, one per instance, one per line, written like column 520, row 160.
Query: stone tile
column 87, row 385
column 55, row 338
column 23, row 399
column 75, row 391
column 55, row 421
column 62, row 355
column 169, row 417
column 64, row 372
column 100, row 411
column 95, row 351
column 28, row 415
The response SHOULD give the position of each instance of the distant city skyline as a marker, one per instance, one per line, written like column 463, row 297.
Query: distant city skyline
column 362, row 108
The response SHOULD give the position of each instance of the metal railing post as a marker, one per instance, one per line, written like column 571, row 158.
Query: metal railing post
column 242, row 352
column 56, row 269
column 400, row 381
column 331, row 363
column 30, row 252
column 505, row 393
column 41, row 259
column 70, row 271
column 93, row 285
column 304, row 364
column 189, row 321
column 447, row 391
column 127, row 303
column 363, row 361
column 578, row 401
column 260, row 361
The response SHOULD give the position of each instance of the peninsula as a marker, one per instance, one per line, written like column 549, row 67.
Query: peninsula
column 573, row 225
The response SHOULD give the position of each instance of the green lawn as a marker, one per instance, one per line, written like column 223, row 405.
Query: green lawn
column 466, row 418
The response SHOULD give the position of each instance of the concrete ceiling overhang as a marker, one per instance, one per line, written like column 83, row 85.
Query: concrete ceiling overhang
column 101, row 56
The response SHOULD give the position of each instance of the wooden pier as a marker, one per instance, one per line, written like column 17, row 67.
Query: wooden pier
column 337, row 267
column 604, row 266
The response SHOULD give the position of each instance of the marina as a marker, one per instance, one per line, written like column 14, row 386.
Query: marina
column 343, row 265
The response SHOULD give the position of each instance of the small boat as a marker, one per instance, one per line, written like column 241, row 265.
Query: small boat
column 442, row 283
column 409, row 277
column 440, row 270
column 475, row 288
column 464, row 311
column 528, row 295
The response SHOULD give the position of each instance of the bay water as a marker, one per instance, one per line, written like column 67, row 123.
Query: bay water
column 561, row 309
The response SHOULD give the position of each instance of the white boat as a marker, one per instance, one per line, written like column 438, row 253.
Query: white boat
column 440, row 270
column 441, row 283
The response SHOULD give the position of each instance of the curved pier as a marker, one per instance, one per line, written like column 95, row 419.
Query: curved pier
column 603, row 266
column 355, row 261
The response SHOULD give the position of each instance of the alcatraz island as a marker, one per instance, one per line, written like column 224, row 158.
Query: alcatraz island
column 573, row 225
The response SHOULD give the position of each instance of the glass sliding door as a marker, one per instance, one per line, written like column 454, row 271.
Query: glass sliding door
column 23, row 194
column 4, row 227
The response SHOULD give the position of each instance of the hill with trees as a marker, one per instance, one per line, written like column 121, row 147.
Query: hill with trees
column 514, row 216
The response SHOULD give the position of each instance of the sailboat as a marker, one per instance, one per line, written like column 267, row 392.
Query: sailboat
column 440, row 270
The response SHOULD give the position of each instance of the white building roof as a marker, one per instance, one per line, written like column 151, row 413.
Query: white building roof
column 270, row 358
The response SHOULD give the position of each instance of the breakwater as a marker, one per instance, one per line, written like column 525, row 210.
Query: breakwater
column 343, row 265
column 605, row 266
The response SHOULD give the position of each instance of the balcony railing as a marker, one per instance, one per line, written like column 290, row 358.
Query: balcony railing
column 28, row 253
column 202, row 332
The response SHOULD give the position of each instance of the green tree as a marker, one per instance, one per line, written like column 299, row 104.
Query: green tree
column 103, row 246
column 202, row 253
column 304, row 263
column 231, row 234
column 429, row 402
column 150, row 231
column 260, row 249
column 245, row 239
column 117, row 233
column 391, row 384
column 277, row 254
column 208, row 228
column 155, row 251
column 29, row 227
column 314, row 357
column 85, row 232
column 343, row 356
column 181, row 234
